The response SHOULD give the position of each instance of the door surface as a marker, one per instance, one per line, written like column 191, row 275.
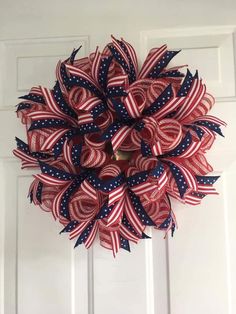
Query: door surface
column 40, row 272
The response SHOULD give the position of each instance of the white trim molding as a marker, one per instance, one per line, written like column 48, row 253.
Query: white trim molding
column 25, row 62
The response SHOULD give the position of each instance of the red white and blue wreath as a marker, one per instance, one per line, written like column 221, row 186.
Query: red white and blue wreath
column 114, row 144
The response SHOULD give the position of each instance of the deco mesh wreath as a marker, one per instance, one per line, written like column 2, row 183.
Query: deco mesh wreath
column 114, row 144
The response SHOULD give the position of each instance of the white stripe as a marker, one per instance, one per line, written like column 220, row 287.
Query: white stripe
column 78, row 72
column 133, row 217
column 117, row 139
column 23, row 156
column 116, row 212
column 79, row 229
column 191, row 150
column 88, row 189
column 174, row 103
column 49, row 180
column 211, row 119
column 147, row 66
column 92, row 236
column 116, row 194
column 131, row 106
column 53, row 138
column 88, row 104
column 115, row 242
column 128, row 234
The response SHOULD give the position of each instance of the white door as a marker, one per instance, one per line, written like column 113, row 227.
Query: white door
column 40, row 272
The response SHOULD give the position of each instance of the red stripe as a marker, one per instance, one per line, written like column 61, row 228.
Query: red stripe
column 53, row 105
column 95, row 65
column 115, row 239
column 120, row 50
column 79, row 229
column 67, row 152
column 116, row 213
column 89, row 241
column 116, row 194
column 169, row 106
column 89, row 190
column 132, row 55
column 143, row 188
column 85, row 118
column 53, row 138
column 88, row 104
column 133, row 217
column 211, row 119
column 120, row 137
column 44, row 178
column 57, row 200
column 151, row 61
column 128, row 234
column 78, row 72
column 131, row 106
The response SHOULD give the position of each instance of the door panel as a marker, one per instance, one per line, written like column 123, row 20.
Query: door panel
column 190, row 273
column 201, row 253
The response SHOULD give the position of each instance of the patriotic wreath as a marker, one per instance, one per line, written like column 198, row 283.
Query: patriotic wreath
column 115, row 144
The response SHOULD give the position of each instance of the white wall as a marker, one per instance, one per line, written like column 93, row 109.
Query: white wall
column 100, row 18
